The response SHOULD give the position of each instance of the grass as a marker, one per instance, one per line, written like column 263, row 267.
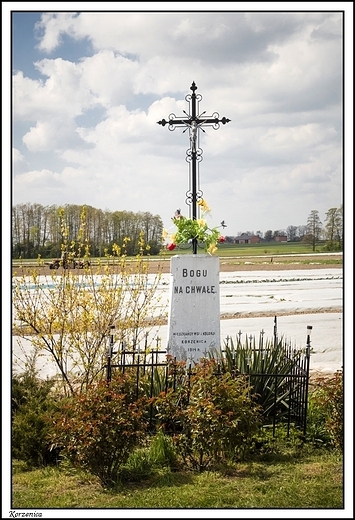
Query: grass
column 240, row 253
column 312, row 480
column 266, row 249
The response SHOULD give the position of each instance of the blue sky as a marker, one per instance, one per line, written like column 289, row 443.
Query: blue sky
column 89, row 88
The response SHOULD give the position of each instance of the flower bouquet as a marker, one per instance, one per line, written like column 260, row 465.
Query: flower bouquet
column 189, row 229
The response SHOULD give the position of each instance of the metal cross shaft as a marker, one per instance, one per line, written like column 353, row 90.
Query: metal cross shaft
column 194, row 122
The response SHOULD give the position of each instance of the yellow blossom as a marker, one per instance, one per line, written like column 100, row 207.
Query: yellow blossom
column 212, row 249
column 165, row 234
column 204, row 206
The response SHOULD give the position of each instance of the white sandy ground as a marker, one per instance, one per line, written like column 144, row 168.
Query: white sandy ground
column 251, row 300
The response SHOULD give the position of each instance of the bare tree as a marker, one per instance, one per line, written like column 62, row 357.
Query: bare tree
column 314, row 229
column 291, row 233
column 268, row 235
column 334, row 229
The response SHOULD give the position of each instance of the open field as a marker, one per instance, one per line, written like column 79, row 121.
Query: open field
column 242, row 262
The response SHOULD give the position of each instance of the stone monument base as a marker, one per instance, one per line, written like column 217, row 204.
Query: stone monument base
column 194, row 307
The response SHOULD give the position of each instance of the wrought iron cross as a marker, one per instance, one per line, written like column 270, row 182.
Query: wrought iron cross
column 194, row 121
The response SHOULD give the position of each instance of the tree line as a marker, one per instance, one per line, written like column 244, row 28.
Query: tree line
column 38, row 230
column 332, row 233
column 314, row 231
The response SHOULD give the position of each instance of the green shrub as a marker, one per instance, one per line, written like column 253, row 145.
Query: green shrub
column 98, row 430
column 31, row 408
column 325, row 417
column 217, row 420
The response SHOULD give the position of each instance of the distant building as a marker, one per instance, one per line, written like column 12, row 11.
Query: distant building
column 244, row 238
column 282, row 238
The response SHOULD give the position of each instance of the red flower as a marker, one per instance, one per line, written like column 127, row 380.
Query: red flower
column 171, row 247
column 221, row 239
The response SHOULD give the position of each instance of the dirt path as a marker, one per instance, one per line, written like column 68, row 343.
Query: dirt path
column 231, row 264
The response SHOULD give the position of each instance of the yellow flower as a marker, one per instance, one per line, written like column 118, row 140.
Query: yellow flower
column 212, row 249
column 201, row 221
column 165, row 234
column 204, row 206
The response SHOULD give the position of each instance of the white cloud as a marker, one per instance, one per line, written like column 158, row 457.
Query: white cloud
column 275, row 75
column 51, row 28
column 19, row 163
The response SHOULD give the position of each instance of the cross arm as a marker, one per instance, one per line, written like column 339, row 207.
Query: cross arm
column 184, row 122
column 213, row 120
column 177, row 122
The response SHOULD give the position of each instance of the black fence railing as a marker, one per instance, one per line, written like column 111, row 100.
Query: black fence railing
column 278, row 375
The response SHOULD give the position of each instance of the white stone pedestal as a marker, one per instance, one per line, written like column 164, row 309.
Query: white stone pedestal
column 194, row 307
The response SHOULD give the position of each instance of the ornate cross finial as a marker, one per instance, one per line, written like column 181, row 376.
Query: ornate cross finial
column 193, row 87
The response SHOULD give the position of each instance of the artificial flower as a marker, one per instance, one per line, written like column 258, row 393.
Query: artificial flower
column 201, row 222
column 204, row 206
column 212, row 249
column 195, row 229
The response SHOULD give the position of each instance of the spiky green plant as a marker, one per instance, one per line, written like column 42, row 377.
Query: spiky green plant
column 270, row 367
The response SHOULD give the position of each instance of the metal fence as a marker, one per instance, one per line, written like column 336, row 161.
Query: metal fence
column 278, row 374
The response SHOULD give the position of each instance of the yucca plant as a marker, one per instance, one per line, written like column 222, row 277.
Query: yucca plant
column 270, row 367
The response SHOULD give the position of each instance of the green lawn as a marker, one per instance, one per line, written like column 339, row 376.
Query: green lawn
column 236, row 251
column 310, row 481
column 274, row 249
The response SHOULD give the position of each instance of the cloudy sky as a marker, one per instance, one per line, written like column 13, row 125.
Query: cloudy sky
column 90, row 86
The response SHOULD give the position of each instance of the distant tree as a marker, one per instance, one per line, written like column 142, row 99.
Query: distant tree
column 279, row 233
column 314, row 229
column 308, row 238
column 301, row 231
column 36, row 230
column 334, row 229
column 259, row 234
column 291, row 233
column 268, row 235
